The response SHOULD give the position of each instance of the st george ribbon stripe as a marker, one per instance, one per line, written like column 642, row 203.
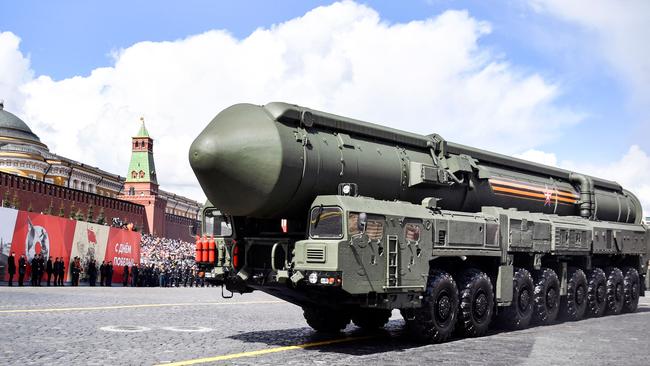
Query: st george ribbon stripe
column 112, row 307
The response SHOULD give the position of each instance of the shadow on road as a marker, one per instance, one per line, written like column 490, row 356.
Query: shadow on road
column 393, row 339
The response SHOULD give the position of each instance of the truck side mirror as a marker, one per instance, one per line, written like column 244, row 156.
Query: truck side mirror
column 362, row 222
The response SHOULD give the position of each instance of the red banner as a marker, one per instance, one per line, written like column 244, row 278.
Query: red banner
column 44, row 234
column 30, row 234
column 123, row 248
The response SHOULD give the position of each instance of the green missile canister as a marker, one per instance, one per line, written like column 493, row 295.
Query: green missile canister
column 272, row 161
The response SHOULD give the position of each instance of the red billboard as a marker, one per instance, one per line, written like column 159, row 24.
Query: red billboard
column 31, row 233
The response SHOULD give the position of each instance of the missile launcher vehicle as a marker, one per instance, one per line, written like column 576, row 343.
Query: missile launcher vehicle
column 351, row 220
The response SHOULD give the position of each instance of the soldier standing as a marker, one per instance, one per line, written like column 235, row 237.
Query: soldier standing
column 134, row 275
column 109, row 274
column 102, row 274
column 22, row 268
column 49, row 269
column 11, row 267
column 55, row 271
column 92, row 272
column 125, row 275
column 41, row 268
column 33, row 270
column 61, row 271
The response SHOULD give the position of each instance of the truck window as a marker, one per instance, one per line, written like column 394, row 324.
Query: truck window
column 216, row 224
column 371, row 225
column 412, row 232
column 326, row 223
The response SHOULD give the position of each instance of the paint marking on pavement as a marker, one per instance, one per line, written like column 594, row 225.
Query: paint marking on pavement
column 265, row 351
column 47, row 310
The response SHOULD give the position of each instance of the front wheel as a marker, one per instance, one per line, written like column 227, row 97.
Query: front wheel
column 370, row 319
column 434, row 322
column 546, row 297
column 520, row 312
column 476, row 303
column 326, row 320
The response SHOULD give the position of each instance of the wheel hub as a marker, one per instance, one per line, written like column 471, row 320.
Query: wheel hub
column 580, row 295
column 619, row 292
column 635, row 291
column 524, row 299
column 444, row 307
column 600, row 293
column 480, row 305
column 551, row 298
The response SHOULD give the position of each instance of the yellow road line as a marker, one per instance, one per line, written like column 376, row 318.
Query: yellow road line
column 137, row 306
column 264, row 351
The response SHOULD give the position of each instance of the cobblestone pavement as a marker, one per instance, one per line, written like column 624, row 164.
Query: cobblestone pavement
column 148, row 326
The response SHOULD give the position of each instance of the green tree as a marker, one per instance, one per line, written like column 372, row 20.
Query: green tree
column 90, row 213
column 30, row 208
column 101, row 219
column 72, row 215
column 62, row 210
column 6, row 201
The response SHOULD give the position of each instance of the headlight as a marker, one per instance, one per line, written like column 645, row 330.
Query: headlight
column 313, row 278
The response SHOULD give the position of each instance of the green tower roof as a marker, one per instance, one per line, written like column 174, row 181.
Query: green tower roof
column 142, row 167
column 143, row 130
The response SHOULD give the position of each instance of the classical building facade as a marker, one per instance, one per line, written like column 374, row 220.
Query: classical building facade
column 45, row 182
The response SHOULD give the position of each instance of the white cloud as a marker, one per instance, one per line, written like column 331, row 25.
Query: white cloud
column 538, row 156
column 621, row 30
column 14, row 70
column 423, row 76
column 631, row 171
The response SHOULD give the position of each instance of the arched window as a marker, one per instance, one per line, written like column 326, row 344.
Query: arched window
column 141, row 174
column 134, row 174
column 131, row 191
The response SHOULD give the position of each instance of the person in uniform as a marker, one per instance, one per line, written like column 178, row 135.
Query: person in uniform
column 49, row 269
column 41, row 268
column 55, row 271
column 33, row 270
column 134, row 275
column 61, row 271
column 22, row 269
column 109, row 274
column 102, row 274
column 92, row 272
column 11, row 267
column 125, row 275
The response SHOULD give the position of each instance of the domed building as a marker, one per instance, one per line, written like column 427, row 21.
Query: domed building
column 22, row 153
column 45, row 182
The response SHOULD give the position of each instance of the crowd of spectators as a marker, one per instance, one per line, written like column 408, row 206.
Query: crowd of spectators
column 163, row 263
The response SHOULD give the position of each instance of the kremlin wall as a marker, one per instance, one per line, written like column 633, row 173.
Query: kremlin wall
column 34, row 179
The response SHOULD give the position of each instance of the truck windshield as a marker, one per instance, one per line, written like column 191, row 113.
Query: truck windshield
column 326, row 222
column 216, row 224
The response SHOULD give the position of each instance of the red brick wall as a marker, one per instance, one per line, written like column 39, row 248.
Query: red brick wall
column 40, row 194
column 178, row 227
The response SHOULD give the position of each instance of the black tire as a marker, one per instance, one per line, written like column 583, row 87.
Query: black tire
column 574, row 306
column 434, row 322
column 326, row 320
column 519, row 314
column 546, row 297
column 631, row 288
column 370, row 319
column 596, row 293
column 476, row 303
column 615, row 293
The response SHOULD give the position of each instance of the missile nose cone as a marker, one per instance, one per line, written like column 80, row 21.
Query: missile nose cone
column 238, row 160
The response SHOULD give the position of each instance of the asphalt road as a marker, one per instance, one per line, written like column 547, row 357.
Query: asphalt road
column 150, row 326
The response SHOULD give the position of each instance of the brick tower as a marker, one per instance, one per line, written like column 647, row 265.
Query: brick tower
column 141, row 185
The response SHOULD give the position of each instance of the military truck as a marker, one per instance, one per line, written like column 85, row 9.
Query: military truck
column 351, row 220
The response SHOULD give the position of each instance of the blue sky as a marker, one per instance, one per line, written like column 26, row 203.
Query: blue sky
column 603, row 105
